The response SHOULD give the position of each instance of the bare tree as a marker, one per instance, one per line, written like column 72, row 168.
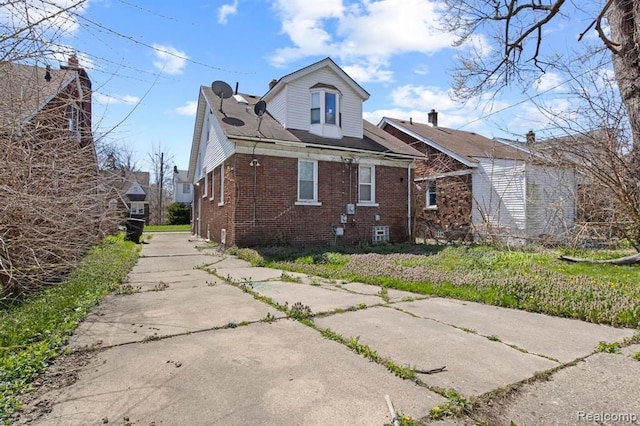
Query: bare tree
column 162, row 170
column 515, row 30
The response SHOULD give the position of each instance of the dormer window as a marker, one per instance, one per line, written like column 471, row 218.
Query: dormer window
column 325, row 111
column 324, row 107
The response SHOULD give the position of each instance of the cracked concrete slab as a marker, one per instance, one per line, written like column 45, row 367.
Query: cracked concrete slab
column 474, row 364
column 318, row 299
column 558, row 338
column 278, row 374
column 141, row 316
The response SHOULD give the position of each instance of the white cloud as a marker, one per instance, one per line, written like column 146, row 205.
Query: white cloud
column 364, row 35
column 169, row 59
column 115, row 99
column 549, row 81
column 189, row 109
column 54, row 17
column 227, row 10
column 368, row 72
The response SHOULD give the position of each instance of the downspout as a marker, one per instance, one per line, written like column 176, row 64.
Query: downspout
column 409, row 200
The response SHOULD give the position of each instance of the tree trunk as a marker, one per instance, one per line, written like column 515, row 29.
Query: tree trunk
column 628, row 260
column 624, row 22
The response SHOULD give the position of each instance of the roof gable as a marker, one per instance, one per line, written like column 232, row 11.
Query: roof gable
column 24, row 91
column 327, row 62
column 465, row 147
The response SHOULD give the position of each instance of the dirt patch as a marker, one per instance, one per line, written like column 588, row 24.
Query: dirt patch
column 61, row 373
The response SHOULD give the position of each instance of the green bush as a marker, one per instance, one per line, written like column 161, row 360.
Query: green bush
column 179, row 214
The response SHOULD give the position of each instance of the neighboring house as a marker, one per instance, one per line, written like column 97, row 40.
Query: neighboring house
column 126, row 193
column 182, row 187
column 472, row 187
column 46, row 101
column 309, row 171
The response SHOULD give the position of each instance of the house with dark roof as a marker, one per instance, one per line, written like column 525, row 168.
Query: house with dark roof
column 297, row 165
column 46, row 101
column 470, row 187
column 127, row 193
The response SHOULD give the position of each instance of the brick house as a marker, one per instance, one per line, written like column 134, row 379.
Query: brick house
column 308, row 171
column 473, row 188
column 46, row 101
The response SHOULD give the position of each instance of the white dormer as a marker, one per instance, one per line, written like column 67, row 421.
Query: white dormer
column 321, row 99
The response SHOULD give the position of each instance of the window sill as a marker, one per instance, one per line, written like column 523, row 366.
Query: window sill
column 308, row 203
column 365, row 204
column 431, row 208
column 221, row 203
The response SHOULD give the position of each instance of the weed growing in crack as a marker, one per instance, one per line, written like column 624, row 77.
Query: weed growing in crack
column 456, row 404
column 384, row 294
column 161, row 286
column 289, row 278
column 402, row 420
column 636, row 356
column 268, row 318
column 609, row 348
column 127, row 289
column 298, row 311
column 494, row 338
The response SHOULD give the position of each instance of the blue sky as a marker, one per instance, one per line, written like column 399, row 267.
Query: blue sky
column 147, row 60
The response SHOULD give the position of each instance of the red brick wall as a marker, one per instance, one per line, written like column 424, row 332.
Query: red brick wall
column 266, row 214
column 452, row 218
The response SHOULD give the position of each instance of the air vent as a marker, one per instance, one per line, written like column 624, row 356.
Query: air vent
column 380, row 234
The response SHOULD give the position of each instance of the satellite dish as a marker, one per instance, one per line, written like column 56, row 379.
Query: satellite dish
column 222, row 90
column 260, row 108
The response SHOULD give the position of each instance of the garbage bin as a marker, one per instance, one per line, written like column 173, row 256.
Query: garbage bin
column 134, row 229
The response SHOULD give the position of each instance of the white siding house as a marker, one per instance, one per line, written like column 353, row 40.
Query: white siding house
column 513, row 195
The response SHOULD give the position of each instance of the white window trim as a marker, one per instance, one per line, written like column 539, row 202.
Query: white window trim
column 221, row 202
column 205, row 190
column 427, row 195
column 186, row 186
column 308, row 202
column 371, row 202
column 138, row 205
column 213, row 186
column 322, row 94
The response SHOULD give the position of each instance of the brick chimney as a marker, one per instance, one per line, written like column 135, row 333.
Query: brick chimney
column 272, row 83
column 531, row 137
column 432, row 118
column 72, row 62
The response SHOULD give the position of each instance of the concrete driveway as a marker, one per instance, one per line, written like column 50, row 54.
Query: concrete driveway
column 183, row 344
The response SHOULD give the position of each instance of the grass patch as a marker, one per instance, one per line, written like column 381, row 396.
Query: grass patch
column 535, row 281
column 167, row 228
column 34, row 330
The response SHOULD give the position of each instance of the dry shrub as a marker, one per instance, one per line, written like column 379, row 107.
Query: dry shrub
column 51, row 212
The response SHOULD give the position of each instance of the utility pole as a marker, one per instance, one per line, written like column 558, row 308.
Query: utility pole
column 160, row 188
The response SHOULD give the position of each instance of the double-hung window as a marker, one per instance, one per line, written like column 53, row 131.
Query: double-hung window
column 221, row 201
column 432, row 199
column 366, row 184
column 324, row 107
column 307, row 181
column 186, row 188
column 212, row 185
column 205, row 190
column 137, row 208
